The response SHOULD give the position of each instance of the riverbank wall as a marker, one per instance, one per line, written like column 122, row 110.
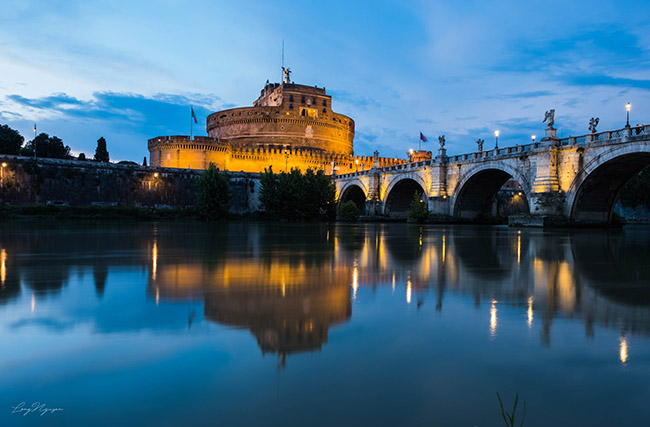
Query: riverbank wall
column 29, row 181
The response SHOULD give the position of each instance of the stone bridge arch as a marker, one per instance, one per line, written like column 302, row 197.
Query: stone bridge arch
column 592, row 194
column 477, row 189
column 356, row 191
column 399, row 191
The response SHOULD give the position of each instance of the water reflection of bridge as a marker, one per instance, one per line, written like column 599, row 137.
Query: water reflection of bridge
column 288, row 284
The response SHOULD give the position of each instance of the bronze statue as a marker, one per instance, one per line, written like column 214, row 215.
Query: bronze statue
column 480, row 142
column 287, row 72
column 441, row 140
column 549, row 118
column 593, row 123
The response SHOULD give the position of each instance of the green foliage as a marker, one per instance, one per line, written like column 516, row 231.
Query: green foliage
column 10, row 140
column 46, row 146
column 295, row 196
column 637, row 191
column 82, row 156
column 144, row 162
column 101, row 153
column 349, row 211
column 510, row 418
column 418, row 211
column 213, row 194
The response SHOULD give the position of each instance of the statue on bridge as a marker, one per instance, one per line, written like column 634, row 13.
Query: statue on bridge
column 592, row 124
column 441, row 140
column 549, row 118
column 480, row 142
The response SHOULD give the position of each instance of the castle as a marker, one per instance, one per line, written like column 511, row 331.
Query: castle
column 289, row 126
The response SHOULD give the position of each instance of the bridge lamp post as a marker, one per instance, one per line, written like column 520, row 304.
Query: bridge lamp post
column 410, row 155
column 357, row 162
column 2, row 170
column 628, row 107
column 496, row 136
column 286, row 160
column 532, row 137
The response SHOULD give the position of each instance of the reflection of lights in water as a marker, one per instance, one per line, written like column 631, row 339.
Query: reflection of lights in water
column 622, row 352
column 157, row 295
column 518, row 246
column 420, row 237
column 284, row 287
column 393, row 283
column 493, row 318
column 444, row 248
column 154, row 260
column 408, row 291
column 3, row 266
column 355, row 282
column 328, row 236
column 33, row 302
column 530, row 311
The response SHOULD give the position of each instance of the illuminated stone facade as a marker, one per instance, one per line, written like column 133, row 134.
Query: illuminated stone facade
column 289, row 126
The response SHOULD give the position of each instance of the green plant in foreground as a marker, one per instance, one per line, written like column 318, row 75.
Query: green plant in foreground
column 348, row 211
column 510, row 418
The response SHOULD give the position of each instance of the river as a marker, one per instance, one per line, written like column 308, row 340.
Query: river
column 113, row 323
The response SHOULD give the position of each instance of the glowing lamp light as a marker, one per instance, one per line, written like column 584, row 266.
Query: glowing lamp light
column 533, row 137
column 4, row 164
column 155, row 175
column 628, row 107
column 496, row 133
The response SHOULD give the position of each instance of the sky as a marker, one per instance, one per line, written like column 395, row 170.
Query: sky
column 130, row 70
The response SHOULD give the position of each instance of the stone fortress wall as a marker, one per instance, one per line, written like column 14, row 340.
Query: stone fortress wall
column 289, row 126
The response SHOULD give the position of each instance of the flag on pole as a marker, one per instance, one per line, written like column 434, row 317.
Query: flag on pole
column 423, row 138
column 194, row 115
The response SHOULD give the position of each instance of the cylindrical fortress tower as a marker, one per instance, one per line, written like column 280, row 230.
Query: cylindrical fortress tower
column 286, row 116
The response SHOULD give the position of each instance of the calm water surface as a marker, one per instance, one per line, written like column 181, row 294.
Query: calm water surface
column 295, row 325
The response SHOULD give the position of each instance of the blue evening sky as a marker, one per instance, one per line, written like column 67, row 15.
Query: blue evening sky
column 130, row 70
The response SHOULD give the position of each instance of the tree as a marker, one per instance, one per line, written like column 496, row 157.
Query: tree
column 295, row 196
column 10, row 140
column 82, row 156
column 46, row 146
column 348, row 211
column 213, row 195
column 101, row 153
column 144, row 161
column 418, row 211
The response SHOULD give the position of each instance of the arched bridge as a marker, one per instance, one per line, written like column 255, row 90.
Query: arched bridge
column 578, row 178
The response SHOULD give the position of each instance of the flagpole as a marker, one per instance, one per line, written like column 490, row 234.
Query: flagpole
column 191, row 122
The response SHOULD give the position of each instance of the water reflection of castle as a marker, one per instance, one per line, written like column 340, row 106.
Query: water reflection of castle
column 289, row 284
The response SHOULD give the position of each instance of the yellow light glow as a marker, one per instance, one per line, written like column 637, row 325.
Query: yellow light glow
column 393, row 283
column 496, row 133
column 530, row 312
column 3, row 266
column 444, row 248
column 411, row 150
column 4, row 164
column 355, row 282
column 409, row 291
column 154, row 260
column 628, row 107
column 356, row 161
column 155, row 175
column 622, row 352
column 533, row 137
column 518, row 246
column 493, row 318
column 157, row 296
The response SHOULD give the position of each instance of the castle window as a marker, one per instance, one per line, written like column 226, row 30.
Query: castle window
column 324, row 103
column 324, row 110
column 290, row 105
column 313, row 100
column 303, row 99
column 290, row 98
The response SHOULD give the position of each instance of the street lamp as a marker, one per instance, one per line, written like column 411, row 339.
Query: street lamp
column 628, row 107
column 2, row 170
column 155, row 175
column 286, row 160
column 532, row 137
column 496, row 136
column 357, row 162
column 411, row 154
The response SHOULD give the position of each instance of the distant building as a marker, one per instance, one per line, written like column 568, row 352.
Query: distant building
column 289, row 126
